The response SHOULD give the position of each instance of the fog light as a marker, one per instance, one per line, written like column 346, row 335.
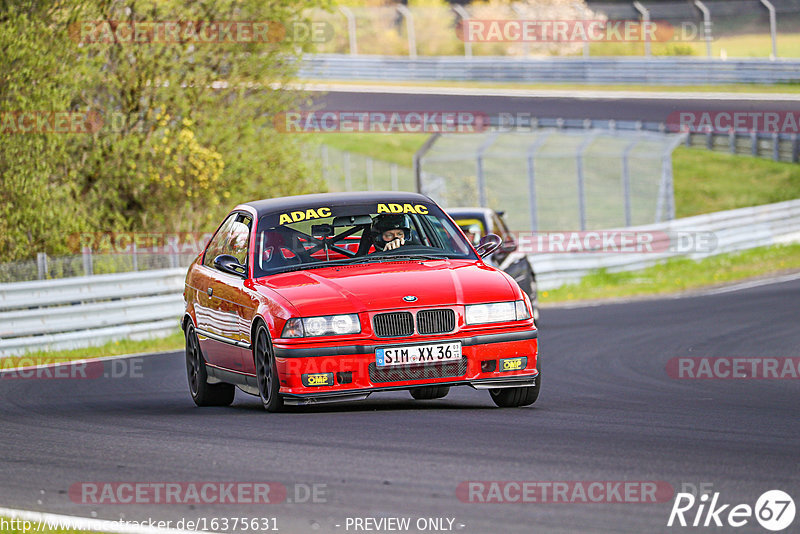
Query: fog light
column 487, row 366
column 344, row 377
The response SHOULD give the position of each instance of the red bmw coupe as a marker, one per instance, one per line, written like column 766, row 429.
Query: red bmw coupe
column 332, row 297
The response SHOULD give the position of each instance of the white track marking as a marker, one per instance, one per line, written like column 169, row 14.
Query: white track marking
column 686, row 294
column 77, row 360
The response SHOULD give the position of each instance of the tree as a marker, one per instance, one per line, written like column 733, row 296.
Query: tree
column 184, row 129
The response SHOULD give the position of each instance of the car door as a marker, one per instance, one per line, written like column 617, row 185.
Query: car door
column 223, row 319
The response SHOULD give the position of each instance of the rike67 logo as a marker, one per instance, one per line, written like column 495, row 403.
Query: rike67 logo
column 774, row 510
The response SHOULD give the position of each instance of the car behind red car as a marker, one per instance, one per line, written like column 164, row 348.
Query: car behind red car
column 332, row 297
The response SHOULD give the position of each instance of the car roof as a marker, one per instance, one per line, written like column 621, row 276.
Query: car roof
column 469, row 212
column 271, row 205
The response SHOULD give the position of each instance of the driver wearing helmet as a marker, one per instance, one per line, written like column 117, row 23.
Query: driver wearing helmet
column 390, row 231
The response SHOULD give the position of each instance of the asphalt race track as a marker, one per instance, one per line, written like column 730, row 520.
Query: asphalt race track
column 568, row 107
column 608, row 412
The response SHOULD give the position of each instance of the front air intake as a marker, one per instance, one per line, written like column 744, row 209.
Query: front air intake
column 436, row 321
column 397, row 324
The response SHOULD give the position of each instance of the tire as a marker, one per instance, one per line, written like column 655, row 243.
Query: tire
column 267, row 372
column 203, row 393
column 516, row 397
column 430, row 392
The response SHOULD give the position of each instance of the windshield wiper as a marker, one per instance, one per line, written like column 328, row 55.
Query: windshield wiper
column 390, row 257
column 363, row 259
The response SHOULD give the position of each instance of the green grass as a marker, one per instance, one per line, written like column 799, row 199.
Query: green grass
column 677, row 275
column 126, row 346
column 757, row 45
column 708, row 181
column 394, row 148
column 541, row 86
column 753, row 46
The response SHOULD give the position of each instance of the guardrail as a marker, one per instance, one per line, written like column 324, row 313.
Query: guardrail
column 734, row 230
column 89, row 310
column 598, row 70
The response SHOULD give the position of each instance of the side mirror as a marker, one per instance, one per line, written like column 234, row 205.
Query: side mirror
column 228, row 264
column 489, row 243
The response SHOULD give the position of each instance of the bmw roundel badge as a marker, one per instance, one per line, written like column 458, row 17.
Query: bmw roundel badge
column 410, row 298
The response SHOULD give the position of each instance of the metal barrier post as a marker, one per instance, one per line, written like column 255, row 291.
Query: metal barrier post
column 776, row 147
column 626, row 180
column 526, row 46
column 395, row 185
column 532, row 149
column 86, row 252
column 645, row 26
column 581, row 189
column 481, row 178
column 348, row 181
column 580, row 9
column 417, row 160
column 41, row 264
column 461, row 12
column 706, row 25
column 412, row 37
column 370, row 184
column 325, row 162
column 351, row 28
column 666, row 189
column 773, row 32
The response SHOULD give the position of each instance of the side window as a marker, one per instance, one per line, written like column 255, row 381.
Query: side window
column 239, row 238
column 500, row 227
column 232, row 238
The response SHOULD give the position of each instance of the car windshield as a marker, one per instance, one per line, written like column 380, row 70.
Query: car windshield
column 322, row 235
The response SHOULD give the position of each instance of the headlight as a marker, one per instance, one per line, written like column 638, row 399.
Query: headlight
column 326, row 325
column 497, row 312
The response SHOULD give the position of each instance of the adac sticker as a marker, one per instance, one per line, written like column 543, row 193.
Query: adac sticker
column 403, row 208
column 304, row 215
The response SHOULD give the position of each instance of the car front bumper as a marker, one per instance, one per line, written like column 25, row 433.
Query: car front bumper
column 349, row 372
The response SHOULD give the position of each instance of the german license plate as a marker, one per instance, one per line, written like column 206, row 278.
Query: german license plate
column 417, row 354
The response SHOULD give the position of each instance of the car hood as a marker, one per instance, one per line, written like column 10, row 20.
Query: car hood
column 382, row 286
